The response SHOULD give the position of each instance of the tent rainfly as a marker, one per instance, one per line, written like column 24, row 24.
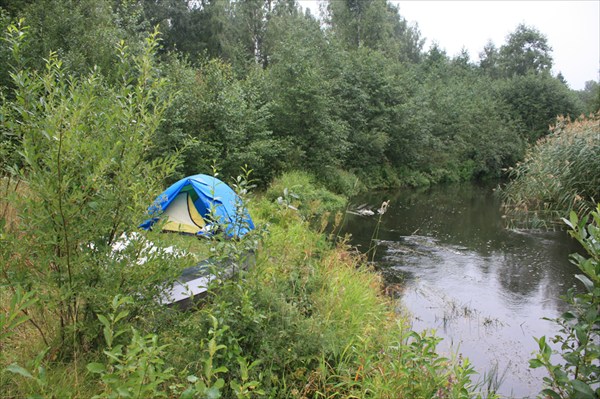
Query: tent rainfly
column 195, row 204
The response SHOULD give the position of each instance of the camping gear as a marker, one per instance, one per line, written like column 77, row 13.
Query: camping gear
column 199, row 205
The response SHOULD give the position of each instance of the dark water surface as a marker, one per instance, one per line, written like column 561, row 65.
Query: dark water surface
column 458, row 270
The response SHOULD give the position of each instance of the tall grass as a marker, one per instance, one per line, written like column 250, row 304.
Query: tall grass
column 561, row 173
column 342, row 336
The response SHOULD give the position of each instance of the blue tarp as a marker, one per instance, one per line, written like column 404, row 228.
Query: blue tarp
column 213, row 195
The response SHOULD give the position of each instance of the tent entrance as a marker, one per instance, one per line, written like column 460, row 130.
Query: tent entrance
column 182, row 215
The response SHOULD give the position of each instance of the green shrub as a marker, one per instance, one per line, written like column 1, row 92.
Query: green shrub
column 341, row 182
column 301, row 191
column 577, row 376
column 84, row 145
column 379, row 176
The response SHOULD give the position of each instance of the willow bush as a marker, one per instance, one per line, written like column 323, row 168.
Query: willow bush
column 561, row 173
column 577, row 375
column 83, row 144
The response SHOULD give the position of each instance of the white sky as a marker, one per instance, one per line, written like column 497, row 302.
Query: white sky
column 571, row 27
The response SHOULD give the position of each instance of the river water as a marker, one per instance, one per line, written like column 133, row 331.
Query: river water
column 483, row 288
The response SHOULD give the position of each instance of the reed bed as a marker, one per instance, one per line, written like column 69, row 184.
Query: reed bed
column 560, row 173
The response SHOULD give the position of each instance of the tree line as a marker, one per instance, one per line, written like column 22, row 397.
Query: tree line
column 350, row 95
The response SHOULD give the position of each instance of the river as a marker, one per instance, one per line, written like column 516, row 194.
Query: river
column 484, row 289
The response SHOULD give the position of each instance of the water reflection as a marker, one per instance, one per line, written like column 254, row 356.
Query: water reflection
column 485, row 289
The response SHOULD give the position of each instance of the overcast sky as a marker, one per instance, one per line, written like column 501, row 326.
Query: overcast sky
column 571, row 27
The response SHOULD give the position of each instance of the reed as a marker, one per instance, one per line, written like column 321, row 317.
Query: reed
column 561, row 173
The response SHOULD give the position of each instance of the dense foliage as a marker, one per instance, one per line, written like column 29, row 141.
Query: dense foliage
column 261, row 83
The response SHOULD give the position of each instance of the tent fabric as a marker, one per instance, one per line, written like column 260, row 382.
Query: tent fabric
column 182, row 215
column 214, row 200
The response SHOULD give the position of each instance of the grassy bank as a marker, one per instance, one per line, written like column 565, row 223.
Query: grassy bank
column 308, row 320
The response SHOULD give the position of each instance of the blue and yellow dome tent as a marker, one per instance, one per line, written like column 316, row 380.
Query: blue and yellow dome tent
column 196, row 202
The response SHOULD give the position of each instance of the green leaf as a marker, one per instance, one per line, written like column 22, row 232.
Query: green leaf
column 243, row 368
column 213, row 393
column 124, row 392
column 535, row 363
column 121, row 315
column 188, row 393
column 96, row 367
column 220, row 383
column 103, row 320
column 15, row 368
column 221, row 369
column 546, row 351
column 583, row 389
column 108, row 337
column 550, row 393
column 115, row 353
column 581, row 334
column 568, row 315
column 42, row 374
column 586, row 281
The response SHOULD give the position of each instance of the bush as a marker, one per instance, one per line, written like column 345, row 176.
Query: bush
column 579, row 339
column 84, row 144
column 301, row 191
column 341, row 182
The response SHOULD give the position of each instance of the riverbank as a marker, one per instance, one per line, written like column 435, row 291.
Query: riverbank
column 308, row 320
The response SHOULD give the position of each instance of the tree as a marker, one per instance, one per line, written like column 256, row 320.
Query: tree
column 368, row 96
column 561, row 78
column 249, row 24
column 5, row 80
column 489, row 60
column 406, row 43
column 590, row 96
column 301, row 85
column 190, row 28
column 526, row 51
column 374, row 24
column 15, row 7
column 536, row 100
column 70, row 27
column 218, row 118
